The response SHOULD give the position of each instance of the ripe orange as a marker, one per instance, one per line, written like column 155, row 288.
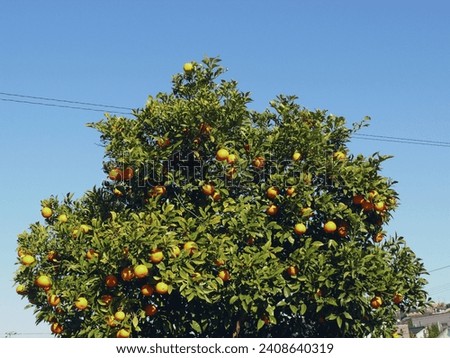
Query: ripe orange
column 128, row 173
column 43, row 281
column 56, row 328
column 272, row 192
column 81, row 303
column 188, row 67
column 358, row 199
column 219, row 262
column 107, row 299
column 398, row 298
column 296, row 156
column 161, row 288
column 158, row 190
column 216, row 196
column 110, row 321
column 190, row 247
column 222, row 154
column 259, row 162
column 272, row 210
column 163, row 142
column 292, row 271
column 62, row 218
column 119, row 316
column 342, row 230
column 141, row 271
column 231, row 158
column 123, row 333
column 111, row 281
column 208, row 189
column 115, row 174
column 147, row 290
column 150, row 310
column 91, row 253
column 156, row 256
column 378, row 237
column 330, row 227
column 127, row 273
column 290, row 191
column 46, row 212
column 53, row 300
column 205, row 128
column 376, row 302
column 27, row 260
column 21, row 290
column 367, row 205
column 339, row 155
column 379, row 206
column 175, row 251
column 224, row 275
column 52, row 256
column 299, row 229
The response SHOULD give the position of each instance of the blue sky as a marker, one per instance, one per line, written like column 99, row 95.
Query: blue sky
column 385, row 59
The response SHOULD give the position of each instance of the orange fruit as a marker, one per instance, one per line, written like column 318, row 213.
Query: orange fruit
column 127, row 273
column 81, row 303
column 376, row 302
column 110, row 321
column 190, row 247
column 117, row 192
column 162, row 288
column 56, row 328
column 188, row 67
column 158, row 190
column 259, row 162
column 53, row 300
column 299, row 229
column 91, row 253
column 62, row 218
column 358, row 199
column 398, row 298
column 292, row 271
column 27, row 260
column 378, row 237
column 156, row 256
column 367, row 205
column 339, row 155
column 342, row 230
column 379, row 206
column 141, row 271
column 111, row 281
column 147, row 290
column 208, row 189
column 219, row 262
column 150, row 310
column 205, row 128
column 21, row 290
column 296, row 156
column 119, row 316
column 330, row 227
column 231, row 158
column 163, row 142
column 290, row 191
column 216, row 196
column 52, row 256
column 222, row 154
column 224, row 275
column 107, row 299
column 46, row 212
column 123, row 333
column 115, row 174
column 43, row 281
column 128, row 173
column 272, row 192
column 175, row 251
column 272, row 210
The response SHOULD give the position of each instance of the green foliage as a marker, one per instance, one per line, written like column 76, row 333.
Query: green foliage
column 155, row 201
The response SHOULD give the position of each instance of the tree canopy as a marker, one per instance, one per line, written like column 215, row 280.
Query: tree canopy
column 217, row 220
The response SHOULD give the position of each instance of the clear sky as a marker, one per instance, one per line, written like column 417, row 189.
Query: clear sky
column 386, row 59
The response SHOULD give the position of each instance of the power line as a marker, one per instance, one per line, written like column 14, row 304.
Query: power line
column 64, row 100
column 439, row 268
column 81, row 106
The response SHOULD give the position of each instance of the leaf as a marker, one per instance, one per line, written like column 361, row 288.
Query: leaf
column 196, row 326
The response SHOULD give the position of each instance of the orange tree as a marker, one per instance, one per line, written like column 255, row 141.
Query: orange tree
column 216, row 220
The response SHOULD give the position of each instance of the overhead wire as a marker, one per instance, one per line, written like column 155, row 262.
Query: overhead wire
column 85, row 106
